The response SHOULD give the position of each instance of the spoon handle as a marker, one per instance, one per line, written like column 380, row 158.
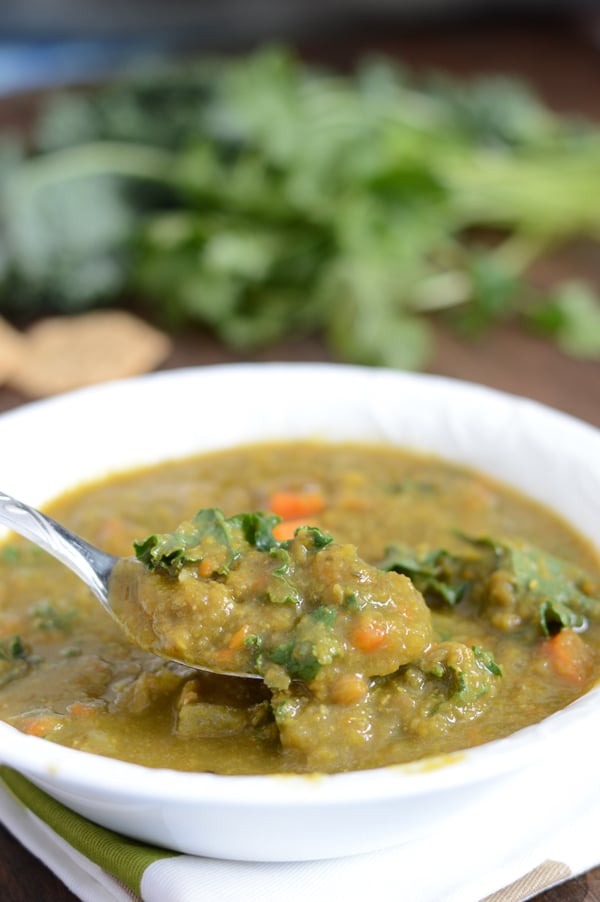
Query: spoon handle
column 88, row 562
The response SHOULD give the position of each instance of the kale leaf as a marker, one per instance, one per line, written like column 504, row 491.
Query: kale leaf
column 542, row 589
column 297, row 659
column 435, row 573
column 208, row 533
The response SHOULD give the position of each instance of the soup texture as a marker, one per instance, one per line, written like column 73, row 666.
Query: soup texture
column 395, row 606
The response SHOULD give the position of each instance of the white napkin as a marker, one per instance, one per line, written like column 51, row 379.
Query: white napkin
column 538, row 829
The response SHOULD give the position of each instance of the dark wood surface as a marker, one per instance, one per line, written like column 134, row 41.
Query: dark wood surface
column 563, row 60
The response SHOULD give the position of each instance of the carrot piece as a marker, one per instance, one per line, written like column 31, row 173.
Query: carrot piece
column 39, row 725
column 570, row 656
column 79, row 709
column 294, row 505
column 286, row 529
column 237, row 639
column 369, row 635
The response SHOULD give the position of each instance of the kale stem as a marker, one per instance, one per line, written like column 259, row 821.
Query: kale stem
column 96, row 158
column 519, row 251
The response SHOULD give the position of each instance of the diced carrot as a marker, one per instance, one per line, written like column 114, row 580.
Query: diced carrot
column 369, row 635
column 349, row 689
column 39, row 725
column 78, row 709
column 294, row 505
column 570, row 656
column 286, row 529
column 237, row 639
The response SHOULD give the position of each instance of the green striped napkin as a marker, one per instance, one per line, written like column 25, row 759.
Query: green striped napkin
column 485, row 850
column 122, row 858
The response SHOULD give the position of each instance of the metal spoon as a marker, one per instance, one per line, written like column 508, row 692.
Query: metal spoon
column 90, row 564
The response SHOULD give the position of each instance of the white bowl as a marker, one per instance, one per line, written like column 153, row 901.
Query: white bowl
column 51, row 446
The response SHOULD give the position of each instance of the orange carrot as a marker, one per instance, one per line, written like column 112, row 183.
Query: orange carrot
column 39, row 725
column 570, row 656
column 291, row 505
column 237, row 639
column 286, row 529
column 79, row 709
column 369, row 635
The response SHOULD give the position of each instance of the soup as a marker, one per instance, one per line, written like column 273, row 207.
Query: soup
column 419, row 608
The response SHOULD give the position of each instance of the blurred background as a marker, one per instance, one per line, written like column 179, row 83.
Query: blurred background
column 49, row 41
column 298, row 201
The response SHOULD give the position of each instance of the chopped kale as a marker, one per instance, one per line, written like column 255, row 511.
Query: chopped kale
column 318, row 538
column 545, row 590
column 324, row 614
column 297, row 659
column 555, row 616
column 281, row 589
column 47, row 617
column 433, row 573
column 12, row 648
column 487, row 659
column 208, row 533
column 15, row 659
column 257, row 528
column 551, row 592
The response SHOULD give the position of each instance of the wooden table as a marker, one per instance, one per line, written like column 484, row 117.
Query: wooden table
column 561, row 59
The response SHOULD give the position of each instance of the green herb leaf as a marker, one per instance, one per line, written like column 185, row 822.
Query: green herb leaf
column 257, row 529
column 297, row 659
column 15, row 659
column 324, row 614
column 318, row 538
column 47, row 616
column 436, row 573
column 12, row 648
column 487, row 659
column 571, row 317
column 551, row 592
column 281, row 588
column 208, row 532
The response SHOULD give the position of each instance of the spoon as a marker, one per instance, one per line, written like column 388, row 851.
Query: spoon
column 260, row 618
column 93, row 566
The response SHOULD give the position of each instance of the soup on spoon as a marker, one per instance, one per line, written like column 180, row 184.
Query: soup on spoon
column 225, row 595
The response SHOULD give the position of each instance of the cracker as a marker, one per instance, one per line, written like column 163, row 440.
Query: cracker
column 68, row 352
column 12, row 349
